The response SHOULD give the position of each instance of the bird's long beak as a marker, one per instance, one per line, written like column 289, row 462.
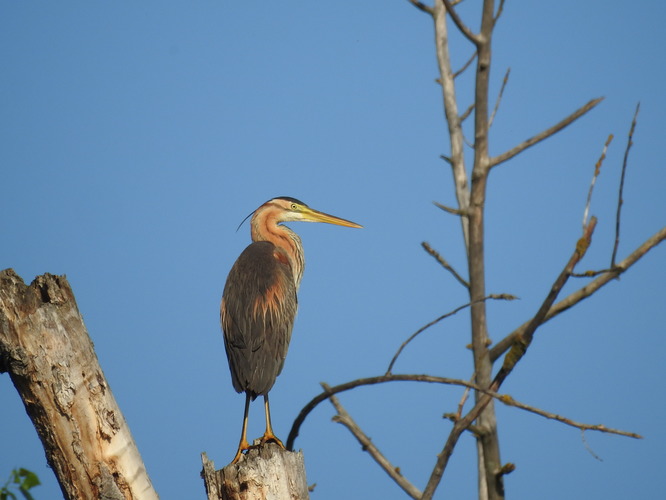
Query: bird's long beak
column 312, row 215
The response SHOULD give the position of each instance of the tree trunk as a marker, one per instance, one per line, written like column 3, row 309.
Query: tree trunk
column 45, row 347
column 266, row 472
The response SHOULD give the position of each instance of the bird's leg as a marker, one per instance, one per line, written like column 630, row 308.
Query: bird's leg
column 268, row 435
column 243, row 445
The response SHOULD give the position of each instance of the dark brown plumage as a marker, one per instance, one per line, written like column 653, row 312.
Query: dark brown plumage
column 257, row 343
column 259, row 302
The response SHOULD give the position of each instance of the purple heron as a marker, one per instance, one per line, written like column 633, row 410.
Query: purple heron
column 259, row 302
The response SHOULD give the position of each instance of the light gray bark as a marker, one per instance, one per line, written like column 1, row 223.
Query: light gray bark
column 266, row 472
column 45, row 348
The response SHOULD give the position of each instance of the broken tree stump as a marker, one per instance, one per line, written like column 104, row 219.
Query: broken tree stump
column 266, row 472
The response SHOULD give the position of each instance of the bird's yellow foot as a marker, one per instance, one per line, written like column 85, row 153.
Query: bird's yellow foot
column 269, row 437
column 243, row 445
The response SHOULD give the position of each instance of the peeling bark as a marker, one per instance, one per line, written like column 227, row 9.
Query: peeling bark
column 266, row 472
column 45, row 348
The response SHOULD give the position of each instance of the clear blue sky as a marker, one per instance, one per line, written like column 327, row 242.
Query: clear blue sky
column 134, row 137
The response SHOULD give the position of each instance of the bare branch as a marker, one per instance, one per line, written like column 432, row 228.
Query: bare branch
column 488, row 454
column 521, row 343
column 499, row 97
column 295, row 428
column 463, row 400
column 464, row 423
column 466, row 114
column 450, row 210
column 421, row 6
column 591, row 274
column 454, row 124
column 500, row 9
column 464, row 29
column 518, row 349
column 459, row 426
column 574, row 298
column 597, row 170
column 465, row 66
column 509, row 401
column 630, row 142
column 545, row 134
column 394, row 472
column 431, row 251
column 503, row 296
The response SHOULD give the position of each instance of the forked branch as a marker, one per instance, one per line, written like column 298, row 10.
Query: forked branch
column 584, row 292
column 521, row 343
column 421, row 6
column 519, row 348
column 296, row 426
column 343, row 417
column 464, row 29
column 331, row 391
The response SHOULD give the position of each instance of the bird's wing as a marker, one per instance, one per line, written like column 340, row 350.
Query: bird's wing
column 257, row 314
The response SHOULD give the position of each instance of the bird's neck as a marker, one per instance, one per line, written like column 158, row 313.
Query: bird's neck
column 285, row 239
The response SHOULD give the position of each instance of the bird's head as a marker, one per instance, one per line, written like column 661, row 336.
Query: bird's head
column 287, row 209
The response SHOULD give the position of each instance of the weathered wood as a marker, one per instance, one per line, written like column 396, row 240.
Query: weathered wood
column 266, row 472
column 45, row 347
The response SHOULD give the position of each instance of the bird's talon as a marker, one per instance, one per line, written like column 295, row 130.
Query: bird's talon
column 271, row 439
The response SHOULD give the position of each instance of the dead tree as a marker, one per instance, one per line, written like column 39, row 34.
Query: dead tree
column 45, row 348
column 471, row 162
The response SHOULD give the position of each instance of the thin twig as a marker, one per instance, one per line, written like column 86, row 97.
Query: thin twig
column 344, row 418
column 590, row 273
column 463, row 400
column 472, row 428
column 499, row 97
column 464, row 29
column 500, row 9
column 446, row 159
column 450, row 210
column 545, row 134
column 509, row 401
column 465, row 66
column 597, row 170
column 466, row 115
column 421, row 6
column 574, row 298
column 431, row 251
column 588, row 447
column 630, row 143
column 501, row 296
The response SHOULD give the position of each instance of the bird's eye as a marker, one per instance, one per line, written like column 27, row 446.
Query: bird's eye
column 294, row 206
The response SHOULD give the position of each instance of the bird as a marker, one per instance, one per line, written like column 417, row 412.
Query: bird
column 259, row 302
